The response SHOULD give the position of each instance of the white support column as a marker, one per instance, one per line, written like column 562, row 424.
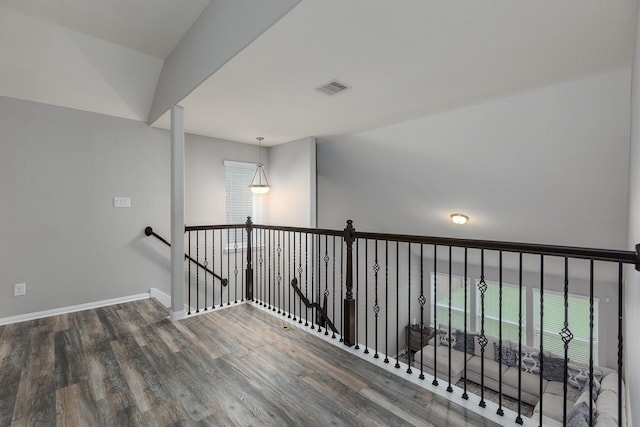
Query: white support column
column 177, row 213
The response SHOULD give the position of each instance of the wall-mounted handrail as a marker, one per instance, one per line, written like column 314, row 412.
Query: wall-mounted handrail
column 148, row 231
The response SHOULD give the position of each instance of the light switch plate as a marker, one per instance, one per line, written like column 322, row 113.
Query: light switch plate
column 122, row 202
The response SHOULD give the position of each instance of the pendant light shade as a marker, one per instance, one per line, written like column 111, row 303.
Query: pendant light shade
column 259, row 183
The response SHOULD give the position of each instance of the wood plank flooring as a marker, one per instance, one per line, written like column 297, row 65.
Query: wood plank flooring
column 129, row 365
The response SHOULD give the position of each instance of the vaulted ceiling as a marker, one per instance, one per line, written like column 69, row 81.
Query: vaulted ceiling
column 401, row 60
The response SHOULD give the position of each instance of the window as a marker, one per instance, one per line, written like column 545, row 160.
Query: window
column 510, row 309
column 457, row 301
column 241, row 202
column 578, row 318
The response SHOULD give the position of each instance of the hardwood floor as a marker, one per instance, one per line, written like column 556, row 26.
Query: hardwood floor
column 128, row 365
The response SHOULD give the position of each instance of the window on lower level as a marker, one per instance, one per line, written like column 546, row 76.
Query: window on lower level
column 510, row 311
column 457, row 301
column 578, row 319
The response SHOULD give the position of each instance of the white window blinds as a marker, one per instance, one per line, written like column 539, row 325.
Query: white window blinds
column 553, row 322
column 241, row 202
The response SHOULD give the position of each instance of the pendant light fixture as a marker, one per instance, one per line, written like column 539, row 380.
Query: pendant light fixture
column 259, row 183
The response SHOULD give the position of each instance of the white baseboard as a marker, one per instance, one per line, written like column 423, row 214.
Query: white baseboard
column 71, row 309
column 160, row 296
column 178, row 315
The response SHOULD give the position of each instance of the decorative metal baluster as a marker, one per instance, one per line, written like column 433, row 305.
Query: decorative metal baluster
column 449, row 388
column 422, row 300
column 357, row 346
column 409, row 310
column 566, row 336
column 235, row 265
column 500, row 411
column 269, row 251
column 333, row 332
column 366, row 296
column 519, row 417
column 398, row 307
column 198, row 272
column 300, row 275
column 326, row 282
column 189, row 273
column 306, row 277
column 221, row 260
column 465, row 396
column 313, row 281
column 591, row 283
column 342, row 292
column 294, row 275
column 620, row 343
column 542, row 331
column 289, row 270
column 228, row 267
column 262, row 268
column 482, row 338
column 435, row 314
column 279, row 277
column 242, row 278
column 213, row 263
column 205, row 263
column 376, row 307
column 386, row 302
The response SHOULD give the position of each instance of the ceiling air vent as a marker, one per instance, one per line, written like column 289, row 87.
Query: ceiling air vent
column 333, row 87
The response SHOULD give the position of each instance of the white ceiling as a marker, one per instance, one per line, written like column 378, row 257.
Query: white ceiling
column 404, row 59
column 153, row 27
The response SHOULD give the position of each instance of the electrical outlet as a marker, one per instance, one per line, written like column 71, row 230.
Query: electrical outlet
column 19, row 289
column 122, row 202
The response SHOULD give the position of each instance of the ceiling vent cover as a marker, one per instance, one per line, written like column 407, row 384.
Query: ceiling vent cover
column 333, row 87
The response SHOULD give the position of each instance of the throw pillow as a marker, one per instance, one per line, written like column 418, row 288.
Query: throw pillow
column 553, row 369
column 460, row 342
column 509, row 355
column 585, row 389
column 578, row 375
column 530, row 358
column 445, row 337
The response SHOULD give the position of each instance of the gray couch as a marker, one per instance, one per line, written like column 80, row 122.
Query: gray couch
column 552, row 390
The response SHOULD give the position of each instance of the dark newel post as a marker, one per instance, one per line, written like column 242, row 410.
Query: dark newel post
column 249, row 270
column 349, row 312
column 638, row 257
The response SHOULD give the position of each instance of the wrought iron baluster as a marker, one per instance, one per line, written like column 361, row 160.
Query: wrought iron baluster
column 269, row 254
column 500, row 410
column 279, row 277
column 376, row 307
column 333, row 335
column 300, row 275
column 205, row 263
column 409, row 356
column 620, row 339
column 397, row 365
column 189, row 273
column 422, row 301
column 591, row 317
column 542, row 333
column 326, row 281
column 342, row 292
column 313, row 293
column 435, row 313
column 386, row 302
column 519, row 417
column 221, row 260
column 242, row 278
column 566, row 335
column 366, row 296
column 482, row 339
column 357, row 346
column 465, row 395
column 235, row 264
column 449, row 388
column 197, row 272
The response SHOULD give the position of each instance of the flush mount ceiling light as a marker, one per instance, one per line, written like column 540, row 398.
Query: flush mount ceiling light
column 259, row 183
column 459, row 218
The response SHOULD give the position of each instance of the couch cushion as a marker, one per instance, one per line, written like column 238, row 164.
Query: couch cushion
column 530, row 382
column 530, row 358
column 552, row 407
column 608, row 404
column 557, row 388
column 457, row 360
column 489, row 352
column 490, row 367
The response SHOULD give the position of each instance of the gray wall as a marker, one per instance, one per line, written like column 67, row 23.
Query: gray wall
column 548, row 166
column 60, row 234
column 292, row 174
